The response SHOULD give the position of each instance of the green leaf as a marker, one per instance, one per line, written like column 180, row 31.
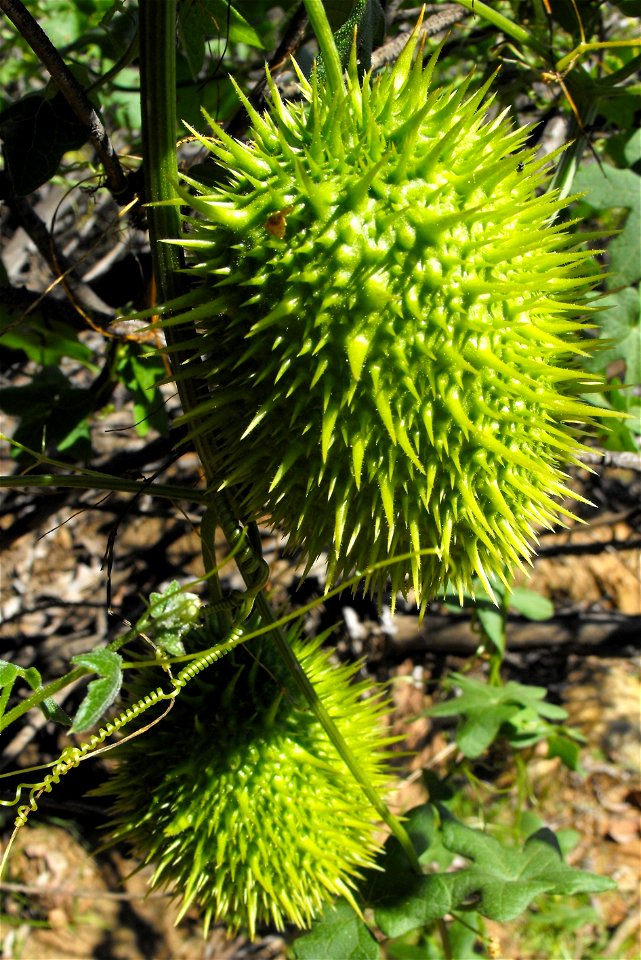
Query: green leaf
column 507, row 880
column 492, row 621
column 429, row 899
column 461, row 937
column 141, row 373
column 531, row 604
column 43, row 340
column 340, row 934
column 37, row 131
column 100, row 693
column 8, row 675
column 501, row 882
column 619, row 319
column 200, row 19
column 364, row 16
column 53, row 712
column 487, row 709
column 632, row 149
column 52, row 413
column 480, row 728
column 394, row 876
column 170, row 616
column 395, row 890
column 8, row 672
column 607, row 187
column 568, row 750
column 568, row 840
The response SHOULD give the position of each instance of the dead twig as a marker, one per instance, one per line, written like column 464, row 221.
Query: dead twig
column 36, row 891
column 43, row 240
column 609, row 458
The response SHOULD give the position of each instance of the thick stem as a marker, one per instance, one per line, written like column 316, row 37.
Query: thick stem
column 336, row 738
column 158, row 96
column 331, row 60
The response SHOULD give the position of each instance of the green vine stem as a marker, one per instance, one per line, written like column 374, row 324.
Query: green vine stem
column 36, row 698
column 307, row 690
column 315, row 10
column 158, row 74
column 507, row 26
column 104, row 482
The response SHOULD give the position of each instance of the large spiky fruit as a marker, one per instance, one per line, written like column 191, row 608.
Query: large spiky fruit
column 240, row 800
column 389, row 317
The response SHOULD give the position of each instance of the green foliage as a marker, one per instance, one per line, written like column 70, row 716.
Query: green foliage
column 199, row 20
column 141, row 372
column 52, row 413
column 10, row 672
column 170, row 616
column 37, row 131
column 606, row 187
column 43, row 339
column 490, row 611
column 100, row 693
column 500, row 883
column 366, row 19
column 516, row 711
column 339, row 934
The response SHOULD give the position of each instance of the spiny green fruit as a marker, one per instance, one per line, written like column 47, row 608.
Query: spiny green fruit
column 239, row 798
column 388, row 312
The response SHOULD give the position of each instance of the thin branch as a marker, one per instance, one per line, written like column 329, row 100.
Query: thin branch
column 60, row 267
column 449, row 15
column 586, row 549
column 289, row 44
column 23, row 301
column 36, row 891
column 73, row 93
column 616, row 459
column 609, row 634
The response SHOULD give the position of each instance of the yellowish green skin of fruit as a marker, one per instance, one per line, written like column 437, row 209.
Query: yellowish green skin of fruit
column 390, row 317
column 239, row 798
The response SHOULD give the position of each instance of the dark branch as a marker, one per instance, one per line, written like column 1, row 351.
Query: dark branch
column 434, row 23
column 73, row 93
column 291, row 41
column 608, row 634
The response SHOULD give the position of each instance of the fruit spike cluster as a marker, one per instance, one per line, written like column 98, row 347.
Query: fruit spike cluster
column 388, row 315
column 241, row 800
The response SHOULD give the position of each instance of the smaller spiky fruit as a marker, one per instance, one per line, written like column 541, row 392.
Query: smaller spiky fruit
column 389, row 319
column 239, row 798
